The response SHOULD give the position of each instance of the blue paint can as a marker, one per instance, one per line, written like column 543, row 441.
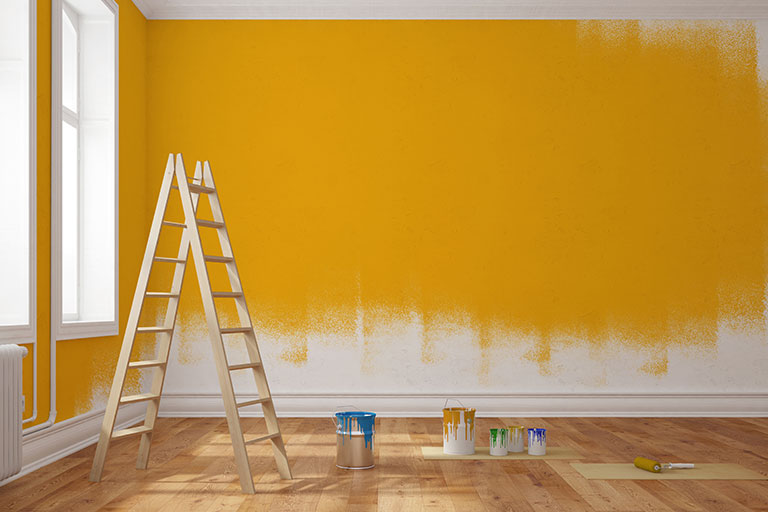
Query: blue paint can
column 355, row 432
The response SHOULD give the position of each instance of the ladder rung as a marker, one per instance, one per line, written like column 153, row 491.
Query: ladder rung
column 174, row 224
column 210, row 223
column 169, row 260
column 243, row 366
column 197, row 189
column 224, row 295
column 167, row 295
column 146, row 364
column 153, row 329
column 138, row 398
column 141, row 429
column 201, row 189
column 253, row 402
column 262, row 438
column 219, row 259
column 236, row 330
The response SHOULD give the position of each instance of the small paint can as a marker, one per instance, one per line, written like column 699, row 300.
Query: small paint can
column 354, row 439
column 537, row 441
column 498, row 442
column 458, row 429
column 516, row 441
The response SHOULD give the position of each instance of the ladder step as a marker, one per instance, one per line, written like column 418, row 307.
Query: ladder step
column 131, row 431
column 243, row 366
column 153, row 329
column 219, row 259
column 224, row 295
column 174, row 224
column 210, row 223
column 201, row 189
column 197, row 189
column 169, row 260
column 138, row 398
column 167, row 295
column 262, row 438
column 253, row 402
column 146, row 364
column 236, row 330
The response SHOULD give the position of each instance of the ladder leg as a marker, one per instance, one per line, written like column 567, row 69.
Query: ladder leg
column 164, row 347
column 251, row 343
column 133, row 321
column 278, row 446
column 214, row 330
column 111, row 413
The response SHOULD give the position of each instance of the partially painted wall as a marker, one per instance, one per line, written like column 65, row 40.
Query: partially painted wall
column 477, row 206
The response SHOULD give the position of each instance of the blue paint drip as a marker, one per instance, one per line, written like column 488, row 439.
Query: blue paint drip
column 364, row 421
column 539, row 434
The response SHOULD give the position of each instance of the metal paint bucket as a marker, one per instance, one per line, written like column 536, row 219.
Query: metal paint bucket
column 537, row 441
column 354, row 439
column 458, row 429
column 516, row 439
column 498, row 442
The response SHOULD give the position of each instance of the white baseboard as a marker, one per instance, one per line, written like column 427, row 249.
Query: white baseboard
column 523, row 405
column 68, row 436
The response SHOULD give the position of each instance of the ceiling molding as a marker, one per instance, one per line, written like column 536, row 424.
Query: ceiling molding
column 453, row 9
column 145, row 7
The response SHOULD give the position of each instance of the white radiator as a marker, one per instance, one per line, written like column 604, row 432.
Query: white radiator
column 10, row 409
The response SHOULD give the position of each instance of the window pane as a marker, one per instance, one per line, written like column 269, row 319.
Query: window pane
column 69, row 64
column 70, row 222
column 97, row 166
column 14, row 171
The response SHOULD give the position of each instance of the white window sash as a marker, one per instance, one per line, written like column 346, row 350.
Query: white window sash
column 65, row 328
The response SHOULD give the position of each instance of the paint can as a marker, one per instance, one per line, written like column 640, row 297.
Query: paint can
column 516, row 440
column 537, row 441
column 498, row 442
column 458, row 429
column 355, row 431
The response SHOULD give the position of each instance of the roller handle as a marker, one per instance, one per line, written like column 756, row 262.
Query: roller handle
column 679, row 465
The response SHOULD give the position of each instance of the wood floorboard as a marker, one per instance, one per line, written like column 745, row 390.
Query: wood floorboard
column 191, row 468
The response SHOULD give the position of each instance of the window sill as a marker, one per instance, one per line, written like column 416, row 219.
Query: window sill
column 80, row 330
column 24, row 334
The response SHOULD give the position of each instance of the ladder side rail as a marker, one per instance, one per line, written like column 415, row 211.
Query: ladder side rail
column 129, row 335
column 164, row 344
column 251, row 343
column 220, row 357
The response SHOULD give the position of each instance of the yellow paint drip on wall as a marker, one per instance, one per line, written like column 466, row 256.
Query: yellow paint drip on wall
column 577, row 182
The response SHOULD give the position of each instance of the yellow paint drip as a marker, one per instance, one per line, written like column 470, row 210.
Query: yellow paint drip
column 453, row 417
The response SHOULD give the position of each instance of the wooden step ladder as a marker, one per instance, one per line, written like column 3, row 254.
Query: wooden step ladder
column 190, row 190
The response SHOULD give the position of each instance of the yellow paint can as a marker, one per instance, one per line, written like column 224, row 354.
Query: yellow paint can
column 458, row 429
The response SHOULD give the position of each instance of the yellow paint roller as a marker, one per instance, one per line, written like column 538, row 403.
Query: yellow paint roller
column 657, row 467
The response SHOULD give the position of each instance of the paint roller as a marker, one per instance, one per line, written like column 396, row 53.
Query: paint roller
column 657, row 467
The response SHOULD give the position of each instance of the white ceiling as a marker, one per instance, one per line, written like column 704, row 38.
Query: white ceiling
column 453, row 9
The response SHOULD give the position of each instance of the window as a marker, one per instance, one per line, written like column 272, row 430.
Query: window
column 17, row 172
column 84, row 168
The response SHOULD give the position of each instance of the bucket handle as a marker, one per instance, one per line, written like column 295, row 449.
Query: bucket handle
column 445, row 405
column 341, row 408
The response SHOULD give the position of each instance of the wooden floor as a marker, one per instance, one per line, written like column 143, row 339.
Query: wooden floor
column 192, row 469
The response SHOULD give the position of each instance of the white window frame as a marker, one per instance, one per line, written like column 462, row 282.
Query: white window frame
column 65, row 330
column 28, row 333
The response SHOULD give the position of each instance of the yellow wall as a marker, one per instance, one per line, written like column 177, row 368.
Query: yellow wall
column 582, row 184
column 84, row 366
column 577, row 184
